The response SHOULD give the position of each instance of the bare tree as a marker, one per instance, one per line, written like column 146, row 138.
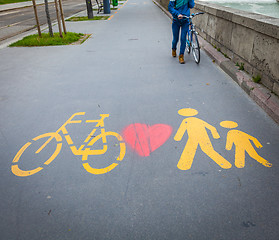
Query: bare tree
column 36, row 17
column 62, row 16
column 89, row 9
column 48, row 19
column 58, row 18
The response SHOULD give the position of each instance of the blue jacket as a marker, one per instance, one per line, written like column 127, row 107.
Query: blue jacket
column 184, row 9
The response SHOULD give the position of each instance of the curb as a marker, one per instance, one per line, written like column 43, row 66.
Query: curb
column 268, row 101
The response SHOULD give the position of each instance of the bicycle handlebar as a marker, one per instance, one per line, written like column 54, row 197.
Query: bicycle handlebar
column 193, row 15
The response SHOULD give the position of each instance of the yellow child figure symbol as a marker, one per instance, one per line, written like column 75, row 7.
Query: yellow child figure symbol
column 197, row 136
column 242, row 142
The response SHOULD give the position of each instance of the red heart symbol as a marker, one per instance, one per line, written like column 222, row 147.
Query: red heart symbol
column 145, row 139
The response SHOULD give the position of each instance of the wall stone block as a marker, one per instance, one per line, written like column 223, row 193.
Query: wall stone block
column 242, row 41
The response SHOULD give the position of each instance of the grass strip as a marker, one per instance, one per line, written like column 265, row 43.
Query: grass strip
column 85, row 18
column 46, row 40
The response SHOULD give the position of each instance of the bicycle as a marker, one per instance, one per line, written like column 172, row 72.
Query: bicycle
column 192, row 41
column 84, row 150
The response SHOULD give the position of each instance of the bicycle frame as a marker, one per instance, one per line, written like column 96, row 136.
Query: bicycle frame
column 87, row 151
column 191, row 27
column 64, row 130
column 191, row 24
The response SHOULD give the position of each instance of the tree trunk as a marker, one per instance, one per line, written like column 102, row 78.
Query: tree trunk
column 48, row 19
column 36, row 17
column 62, row 16
column 89, row 9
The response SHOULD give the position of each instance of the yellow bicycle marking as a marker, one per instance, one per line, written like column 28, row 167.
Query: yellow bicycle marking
column 18, row 172
column 21, row 173
column 19, row 153
column 83, row 150
column 15, row 169
column 62, row 128
column 100, row 170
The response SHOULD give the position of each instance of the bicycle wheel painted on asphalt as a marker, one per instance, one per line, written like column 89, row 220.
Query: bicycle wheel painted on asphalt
column 195, row 47
column 122, row 151
column 24, row 173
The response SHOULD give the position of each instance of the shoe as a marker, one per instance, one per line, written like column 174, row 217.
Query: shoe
column 173, row 52
column 181, row 59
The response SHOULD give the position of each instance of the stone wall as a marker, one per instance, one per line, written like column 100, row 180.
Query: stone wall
column 165, row 3
column 246, row 38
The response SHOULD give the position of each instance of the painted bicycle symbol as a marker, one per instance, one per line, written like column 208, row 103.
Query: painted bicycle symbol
column 85, row 150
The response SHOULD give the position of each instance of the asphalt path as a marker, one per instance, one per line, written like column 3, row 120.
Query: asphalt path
column 125, row 70
column 20, row 20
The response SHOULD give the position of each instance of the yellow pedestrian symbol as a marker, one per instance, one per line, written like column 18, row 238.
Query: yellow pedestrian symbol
column 197, row 136
column 242, row 142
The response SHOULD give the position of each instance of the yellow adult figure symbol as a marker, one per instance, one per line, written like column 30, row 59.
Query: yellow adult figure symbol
column 197, row 136
column 242, row 142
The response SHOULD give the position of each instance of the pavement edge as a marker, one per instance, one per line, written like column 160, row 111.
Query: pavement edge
column 267, row 100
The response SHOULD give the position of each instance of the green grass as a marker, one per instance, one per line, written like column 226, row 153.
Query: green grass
column 225, row 55
column 46, row 40
column 12, row 1
column 85, row 18
column 257, row 79
column 240, row 67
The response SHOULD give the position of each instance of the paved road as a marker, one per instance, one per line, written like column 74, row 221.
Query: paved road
column 20, row 20
column 125, row 70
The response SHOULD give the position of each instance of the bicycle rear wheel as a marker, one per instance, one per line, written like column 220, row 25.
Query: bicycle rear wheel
column 24, row 173
column 195, row 47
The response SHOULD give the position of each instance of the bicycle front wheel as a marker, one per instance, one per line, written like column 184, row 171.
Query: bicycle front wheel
column 195, row 47
column 188, row 45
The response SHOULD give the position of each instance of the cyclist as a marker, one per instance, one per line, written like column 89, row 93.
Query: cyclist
column 178, row 8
